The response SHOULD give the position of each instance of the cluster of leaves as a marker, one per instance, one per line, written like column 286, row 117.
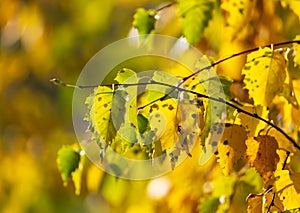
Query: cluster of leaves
column 258, row 142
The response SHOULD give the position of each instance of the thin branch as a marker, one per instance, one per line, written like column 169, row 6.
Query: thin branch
column 273, row 46
column 218, row 99
column 240, row 110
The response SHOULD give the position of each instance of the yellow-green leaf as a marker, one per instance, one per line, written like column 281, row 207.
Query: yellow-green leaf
column 144, row 21
column 67, row 161
column 99, row 116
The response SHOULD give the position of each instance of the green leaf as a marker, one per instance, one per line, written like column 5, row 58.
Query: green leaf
column 226, row 83
column 67, row 161
column 210, row 205
column 142, row 123
column 264, row 75
column 195, row 15
column 144, row 20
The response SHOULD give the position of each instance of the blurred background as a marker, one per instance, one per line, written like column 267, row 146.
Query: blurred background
column 41, row 40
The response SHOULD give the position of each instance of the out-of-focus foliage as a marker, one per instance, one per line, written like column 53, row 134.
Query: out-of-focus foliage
column 40, row 40
column 43, row 39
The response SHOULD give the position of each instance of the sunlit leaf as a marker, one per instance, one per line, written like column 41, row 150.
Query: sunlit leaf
column 238, row 13
column 231, row 148
column 288, row 188
column 252, row 125
column 99, row 116
column 297, row 46
column 195, row 16
column 264, row 75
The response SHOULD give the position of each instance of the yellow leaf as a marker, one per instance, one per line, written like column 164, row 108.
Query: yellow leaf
column 264, row 75
column 297, row 46
column 163, row 121
column 261, row 152
column 232, row 147
column 252, row 125
column 255, row 203
column 238, row 13
column 288, row 188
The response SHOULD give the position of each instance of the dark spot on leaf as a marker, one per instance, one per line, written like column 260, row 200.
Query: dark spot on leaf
column 122, row 71
column 220, row 130
column 194, row 115
column 225, row 142
column 155, row 106
column 216, row 153
column 227, row 125
column 247, row 67
column 157, row 115
column 100, row 98
column 267, row 66
column 105, row 105
column 164, row 105
column 256, row 63
column 170, row 107
column 228, row 153
column 241, row 11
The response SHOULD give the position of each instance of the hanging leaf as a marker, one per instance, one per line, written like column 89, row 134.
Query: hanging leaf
column 264, row 75
column 288, row 188
column 67, row 161
column 252, row 125
column 99, row 115
column 231, row 148
column 144, row 21
column 195, row 16
column 163, row 121
column 261, row 152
